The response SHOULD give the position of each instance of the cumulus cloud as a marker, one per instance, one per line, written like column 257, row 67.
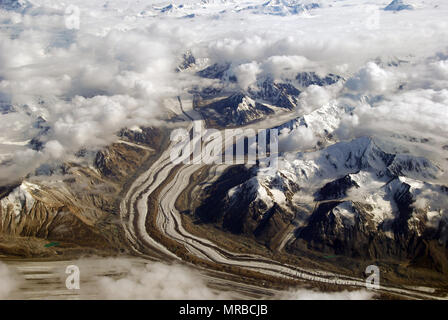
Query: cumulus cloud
column 440, row 69
column 157, row 281
column 139, row 279
column 286, row 67
column 300, row 138
column 372, row 79
column 315, row 96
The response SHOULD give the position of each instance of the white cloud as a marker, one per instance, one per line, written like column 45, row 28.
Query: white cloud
column 286, row 66
column 54, row 149
column 440, row 69
column 157, row 281
column 316, row 96
column 247, row 74
column 372, row 79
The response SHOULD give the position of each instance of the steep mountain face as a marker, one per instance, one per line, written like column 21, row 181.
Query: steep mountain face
column 36, row 143
column 264, row 94
column 217, row 71
column 350, row 199
column 306, row 79
column 263, row 198
column 398, row 5
column 388, row 223
column 188, row 61
column 336, row 189
column 322, row 121
column 238, row 109
column 39, row 211
column 117, row 162
column 6, row 108
column 5, row 104
column 282, row 95
column 75, row 205
column 243, row 204
column 241, row 107
column 170, row 10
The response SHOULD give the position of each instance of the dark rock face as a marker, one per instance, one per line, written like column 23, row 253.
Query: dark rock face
column 215, row 71
column 336, row 189
column 238, row 109
column 210, row 210
column 405, row 237
column 327, row 232
column 147, row 136
column 307, row 79
column 36, row 144
column 116, row 161
column 404, row 164
column 245, row 215
column 349, row 227
column 188, row 60
column 283, row 95
column 101, row 163
column 5, row 103
column 252, row 217
column 404, row 200
column 80, row 208
column 207, row 93
column 271, row 225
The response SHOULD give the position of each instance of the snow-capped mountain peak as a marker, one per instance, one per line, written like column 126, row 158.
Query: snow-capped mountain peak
column 398, row 5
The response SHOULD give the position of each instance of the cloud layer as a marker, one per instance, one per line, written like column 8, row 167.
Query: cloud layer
column 160, row 281
column 8, row 281
column 118, row 68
